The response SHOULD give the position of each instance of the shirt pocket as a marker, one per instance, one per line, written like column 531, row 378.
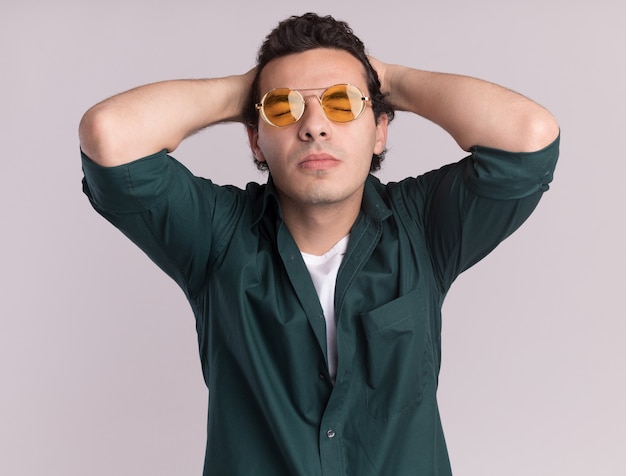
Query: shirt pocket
column 398, row 355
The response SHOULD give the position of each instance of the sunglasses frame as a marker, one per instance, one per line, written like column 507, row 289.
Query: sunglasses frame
column 260, row 106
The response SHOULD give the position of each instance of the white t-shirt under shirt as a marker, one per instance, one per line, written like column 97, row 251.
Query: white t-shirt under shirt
column 323, row 270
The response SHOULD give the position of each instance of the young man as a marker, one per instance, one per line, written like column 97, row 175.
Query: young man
column 318, row 295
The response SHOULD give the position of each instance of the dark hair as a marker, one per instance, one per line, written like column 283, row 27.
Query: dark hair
column 297, row 34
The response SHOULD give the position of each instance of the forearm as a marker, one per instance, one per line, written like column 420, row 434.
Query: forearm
column 159, row 116
column 472, row 111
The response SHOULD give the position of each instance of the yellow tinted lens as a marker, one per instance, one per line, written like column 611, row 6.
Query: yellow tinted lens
column 343, row 103
column 283, row 107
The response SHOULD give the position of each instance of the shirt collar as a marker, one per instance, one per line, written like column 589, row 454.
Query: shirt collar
column 374, row 194
column 269, row 200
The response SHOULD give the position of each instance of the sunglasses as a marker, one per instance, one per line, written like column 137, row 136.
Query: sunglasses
column 282, row 107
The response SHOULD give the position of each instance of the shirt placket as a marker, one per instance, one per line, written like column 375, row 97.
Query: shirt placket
column 364, row 236
column 305, row 291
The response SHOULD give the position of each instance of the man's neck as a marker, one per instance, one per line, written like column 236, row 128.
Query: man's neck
column 316, row 229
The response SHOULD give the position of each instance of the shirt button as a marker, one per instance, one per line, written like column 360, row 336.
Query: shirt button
column 330, row 433
column 322, row 376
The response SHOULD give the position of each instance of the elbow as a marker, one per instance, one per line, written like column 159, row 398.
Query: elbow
column 111, row 135
column 541, row 130
column 93, row 134
column 107, row 138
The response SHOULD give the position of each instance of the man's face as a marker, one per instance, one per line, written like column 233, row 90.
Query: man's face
column 316, row 161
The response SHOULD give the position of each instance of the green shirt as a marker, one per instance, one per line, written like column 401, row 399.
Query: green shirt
column 273, row 409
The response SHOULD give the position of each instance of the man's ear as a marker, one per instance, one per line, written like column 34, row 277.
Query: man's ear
column 253, row 139
column 382, row 124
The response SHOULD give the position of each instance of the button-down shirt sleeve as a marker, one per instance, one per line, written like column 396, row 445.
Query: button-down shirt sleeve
column 466, row 209
column 169, row 213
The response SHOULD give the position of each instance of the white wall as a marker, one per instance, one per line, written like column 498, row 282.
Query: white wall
column 99, row 371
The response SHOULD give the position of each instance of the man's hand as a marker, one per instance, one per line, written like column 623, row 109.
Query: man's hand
column 380, row 68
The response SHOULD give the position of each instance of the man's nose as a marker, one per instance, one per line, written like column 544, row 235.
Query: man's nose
column 314, row 124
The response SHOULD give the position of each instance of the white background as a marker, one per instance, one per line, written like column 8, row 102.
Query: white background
column 99, row 373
